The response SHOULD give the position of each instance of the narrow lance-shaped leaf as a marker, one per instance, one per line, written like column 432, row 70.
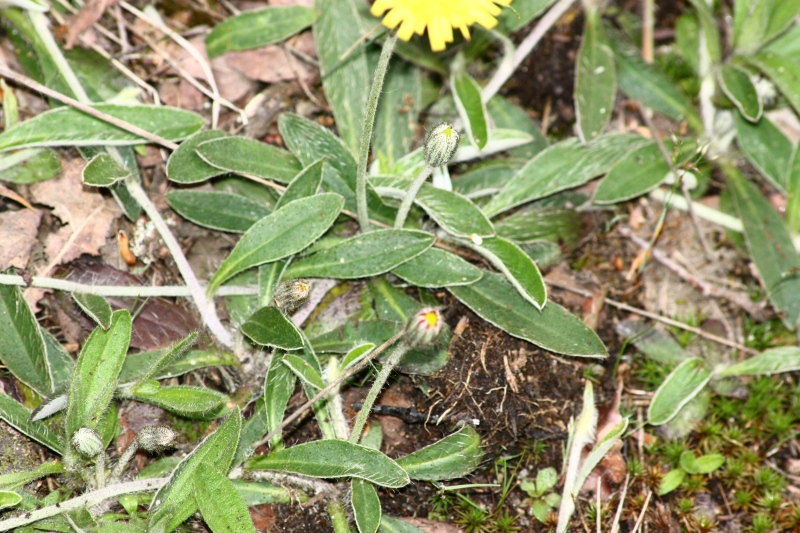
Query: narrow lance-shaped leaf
column 454, row 456
column 518, row 268
column 94, row 379
column 438, row 268
column 682, row 384
column 770, row 245
column 270, row 327
column 331, row 459
column 454, row 213
column 103, row 171
column 95, row 306
column 595, row 80
column 248, row 156
column 253, row 29
column 282, row 233
column 364, row 255
column 66, row 126
column 221, row 211
column 221, row 505
column 305, row 184
column 366, row 505
column 738, row 86
column 774, row 361
column 278, row 388
column 767, row 148
column 182, row 400
column 471, row 109
column 18, row 417
column 554, row 328
column 175, row 501
column 304, row 371
column 186, row 166
column 22, row 348
column 346, row 81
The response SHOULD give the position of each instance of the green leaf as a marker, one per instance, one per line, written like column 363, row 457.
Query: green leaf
column 284, row 232
column 485, row 179
column 248, row 156
column 304, row 371
column 757, row 21
column 305, row 184
column 646, row 83
column 393, row 525
column 595, row 81
column 680, row 386
column 310, row 142
column 364, row 255
column 331, row 459
column 784, row 72
column 638, row 172
column 221, row 505
column 66, row 126
column 182, row 400
column 510, row 116
column 17, row 480
column 770, row 246
column 259, row 493
column 104, row 171
column 346, row 82
column 94, row 379
column 655, row 344
column 18, row 417
column 366, row 505
column 10, row 499
column 738, row 86
column 709, row 29
column 261, row 27
column 164, row 359
column 270, row 327
column 185, row 166
column 793, row 192
column 546, row 479
column 541, row 222
column 671, row 481
column 454, row 213
column 435, row 268
column 356, row 354
column 278, row 388
column 175, row 501
column 22, row 348
column 342, row 339
column 774, row 361
column 687, row 38
column 95, row 306
column 563, row 166
column 495, row 300
column 138, row 365
column 470, row 107
column 58, row 359
column 398, row 110
column 452, row 457
column 767, row 148
column 524, row 11
column 29, row 165
column 705, row 464
column 220, row 211
column 517, row 267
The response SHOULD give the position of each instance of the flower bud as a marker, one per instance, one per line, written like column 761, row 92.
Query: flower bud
column 424, row 327
column 87, row 442
column 156, row 439
column 441, row 145
column 290, row 295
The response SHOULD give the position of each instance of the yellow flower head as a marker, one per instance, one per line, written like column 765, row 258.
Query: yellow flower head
column 438, row 16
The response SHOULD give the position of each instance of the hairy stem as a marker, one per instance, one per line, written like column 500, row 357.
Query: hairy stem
column 124, row 459
column 366, row 133
column 405, row 206
column 86, row 500
column 206, row 308
column 380, row 380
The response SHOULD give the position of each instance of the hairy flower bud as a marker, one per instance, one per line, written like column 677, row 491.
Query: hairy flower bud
column 424, row 327
column 441, row 145
column 290, row 295
column 87, row 442
column 156, row 439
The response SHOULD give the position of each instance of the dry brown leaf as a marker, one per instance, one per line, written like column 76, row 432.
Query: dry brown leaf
column 11, row 195
column 612, row 467
column 79, row 23
column 231, row 83
column 18, row 231
column 78, row 208
column 271, row 64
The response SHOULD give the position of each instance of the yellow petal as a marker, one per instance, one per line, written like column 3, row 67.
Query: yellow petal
column 380, row 6
column 406, row 30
